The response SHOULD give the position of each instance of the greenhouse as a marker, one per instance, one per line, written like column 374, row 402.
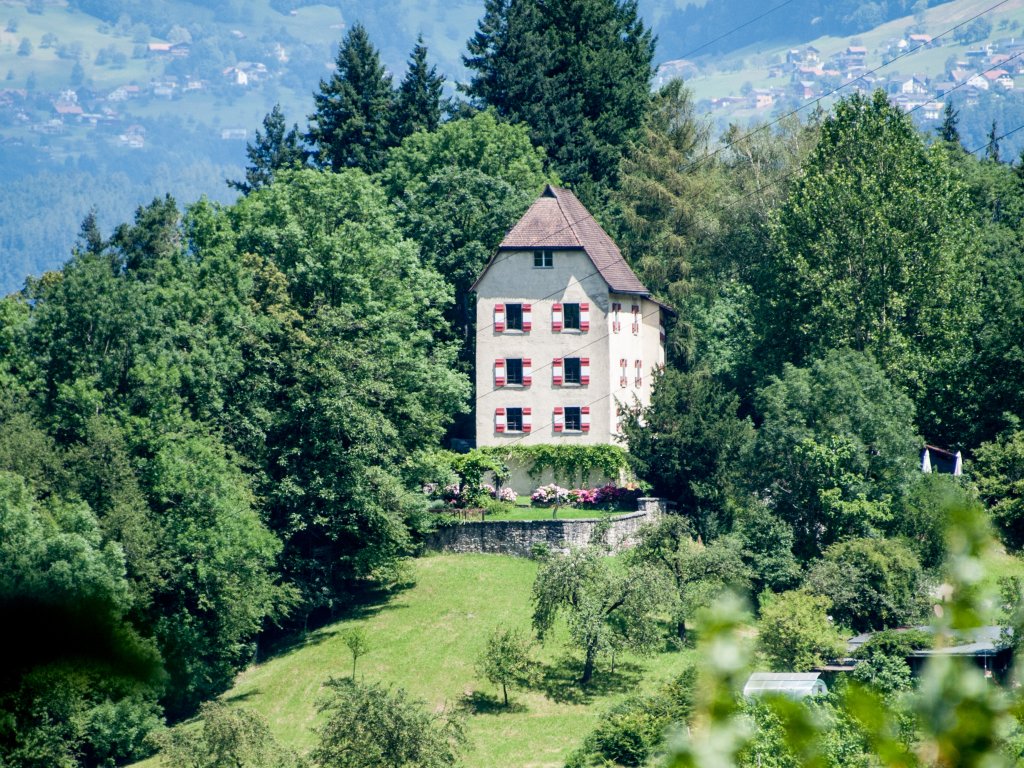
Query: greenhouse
column 796, row 685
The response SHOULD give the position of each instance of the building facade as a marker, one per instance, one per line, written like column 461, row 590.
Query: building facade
column 565, row 331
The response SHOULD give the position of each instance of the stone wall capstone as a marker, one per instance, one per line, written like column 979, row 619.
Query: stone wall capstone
column 518, row 537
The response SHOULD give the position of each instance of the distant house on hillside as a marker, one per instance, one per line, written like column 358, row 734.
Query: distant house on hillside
column 935, row 459
column 565, row 331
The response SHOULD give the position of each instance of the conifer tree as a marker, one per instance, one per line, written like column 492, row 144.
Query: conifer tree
column 276, row 148
column 949, row 131
column 418, row 104
column 992, row 148
column 351, row 127
column 576, row 71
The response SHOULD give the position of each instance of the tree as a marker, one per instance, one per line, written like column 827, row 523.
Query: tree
column 691, row 445
column 795, row 633
column 237, row 737
column 604, row 608
column 219, row 587
column 663, row 191
column 350, row 373
column 870, row 583
column 368, row 726
column 992, row 147
column 949, row 131
column 576, row 71
column 505, row 660
column 357, row 644
column 274, row 149
column 767, row 547
column 700, row 573
column 871, row 252
column 482, row 142
column 836, row 449
column 25, row 47
column 60, row 579
column 351, row 127
column 418, row 103
column 884, row 656
column 998, row 469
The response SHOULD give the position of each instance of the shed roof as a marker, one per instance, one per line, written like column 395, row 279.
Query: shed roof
column 557, row 219
column 794, row 684
column 980, row 641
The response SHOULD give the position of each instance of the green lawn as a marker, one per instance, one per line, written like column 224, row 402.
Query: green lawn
column 549, row 513
column 426, row 639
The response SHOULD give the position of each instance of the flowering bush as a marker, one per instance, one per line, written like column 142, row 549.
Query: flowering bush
column 507, row 494
column 550, row 494
column 583, row 497
column 606, row 496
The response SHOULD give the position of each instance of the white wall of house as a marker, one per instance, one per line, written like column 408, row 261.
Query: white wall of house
column 573, row 278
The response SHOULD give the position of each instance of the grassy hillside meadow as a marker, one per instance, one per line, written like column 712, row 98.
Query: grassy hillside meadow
column 426, row 639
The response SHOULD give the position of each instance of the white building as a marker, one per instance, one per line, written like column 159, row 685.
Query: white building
column 565, row 331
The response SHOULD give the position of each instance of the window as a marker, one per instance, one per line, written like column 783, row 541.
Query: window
column 514, row 419
column 514, row 370
column 573, row 420
column 572, row 370
column 571, row 316
column 514, row 317
column 543, row 259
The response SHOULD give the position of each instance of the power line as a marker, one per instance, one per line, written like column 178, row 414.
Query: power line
column 835, row 90
column 688, row 54
column 799, row 168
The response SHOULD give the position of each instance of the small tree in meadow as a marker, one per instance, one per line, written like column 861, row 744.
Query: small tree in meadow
column 505, row 660
column 795, row 632
column 368, row 726
column 606, row 608
column 358, row 645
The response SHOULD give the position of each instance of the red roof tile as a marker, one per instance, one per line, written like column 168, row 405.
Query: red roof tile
column 557, row 219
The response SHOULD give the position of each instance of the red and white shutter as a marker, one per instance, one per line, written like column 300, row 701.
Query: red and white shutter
column 527, row 419
column 636, row 319
column 661, row 333
column 623, row 379
column 556, row 317
column 499, row 317
column 499, row 372
column 527, row 317
column 499, row 419
column 556, row 372
column 584, row 370
column 585, row 418
column 616, row 325
column 527, row 371
column 558, row 420
column 584, row 316
column 639, row 373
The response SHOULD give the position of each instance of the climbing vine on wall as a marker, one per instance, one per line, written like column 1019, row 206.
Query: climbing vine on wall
column 567, row 462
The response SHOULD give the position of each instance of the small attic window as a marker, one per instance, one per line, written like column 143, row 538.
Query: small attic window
column 543, row 260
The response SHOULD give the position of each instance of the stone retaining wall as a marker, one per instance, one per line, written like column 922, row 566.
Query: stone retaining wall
column 518, row 537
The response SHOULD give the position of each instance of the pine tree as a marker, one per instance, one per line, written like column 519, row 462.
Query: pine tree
column 576, row 71
column 351, row 127
column 276, row 148
column 992, row 148
column 949, row 131
column 418, row 104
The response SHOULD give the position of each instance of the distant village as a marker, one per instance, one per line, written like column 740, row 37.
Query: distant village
column 109, row 109
column 806, row 73
column 802, row 74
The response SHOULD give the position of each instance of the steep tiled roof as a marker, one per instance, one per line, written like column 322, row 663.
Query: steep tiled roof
column 557, row 219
